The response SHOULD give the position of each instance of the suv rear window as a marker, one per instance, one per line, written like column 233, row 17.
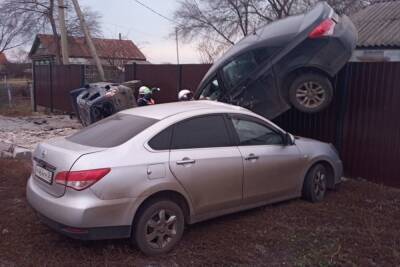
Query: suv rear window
column 112, row 131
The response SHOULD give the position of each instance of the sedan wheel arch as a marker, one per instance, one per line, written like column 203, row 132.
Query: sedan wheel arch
column 171, row 195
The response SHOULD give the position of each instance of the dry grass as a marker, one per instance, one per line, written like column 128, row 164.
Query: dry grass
column 357, row 226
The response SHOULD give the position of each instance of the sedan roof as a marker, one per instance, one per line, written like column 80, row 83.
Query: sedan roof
column 162, row 111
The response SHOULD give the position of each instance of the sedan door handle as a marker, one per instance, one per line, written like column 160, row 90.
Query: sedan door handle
column 251, row 157
column 185, row 161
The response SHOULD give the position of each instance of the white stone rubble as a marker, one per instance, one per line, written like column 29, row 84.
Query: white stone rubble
column 20, row 135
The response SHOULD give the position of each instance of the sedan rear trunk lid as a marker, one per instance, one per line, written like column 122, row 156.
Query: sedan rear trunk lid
column 54, row 156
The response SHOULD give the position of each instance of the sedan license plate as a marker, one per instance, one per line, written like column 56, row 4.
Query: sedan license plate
column 44, row 174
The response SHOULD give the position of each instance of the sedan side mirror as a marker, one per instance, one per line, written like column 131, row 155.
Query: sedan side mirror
column 288, row 139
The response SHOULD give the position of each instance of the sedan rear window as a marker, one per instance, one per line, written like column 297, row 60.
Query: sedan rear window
column 112, row 131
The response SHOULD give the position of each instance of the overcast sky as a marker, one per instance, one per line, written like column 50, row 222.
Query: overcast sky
column 148, row 31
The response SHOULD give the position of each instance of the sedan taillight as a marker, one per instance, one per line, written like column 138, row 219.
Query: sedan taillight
column 80, row 180
column 326, row 28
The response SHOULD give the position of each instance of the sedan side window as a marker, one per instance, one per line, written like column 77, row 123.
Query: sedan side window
column 239, row 68
column 251, row 133
column 162, row 140
column 212, row 91
column 201, row 132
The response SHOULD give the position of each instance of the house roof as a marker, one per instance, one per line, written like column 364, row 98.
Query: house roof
column 3, row 59
column 44, row 45
column 378, row 25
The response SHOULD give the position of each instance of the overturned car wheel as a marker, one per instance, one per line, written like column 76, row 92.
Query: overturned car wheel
column 310, row 92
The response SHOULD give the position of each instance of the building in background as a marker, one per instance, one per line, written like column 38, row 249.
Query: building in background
column 112, row 52
column 378, row 33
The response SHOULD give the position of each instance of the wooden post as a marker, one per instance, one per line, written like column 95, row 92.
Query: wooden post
column 89, row 40
column 33, row 95
column 51, row 87
column 63, row 31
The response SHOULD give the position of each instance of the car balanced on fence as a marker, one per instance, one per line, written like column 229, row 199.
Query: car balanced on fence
column 288, row 62
column 145, row 172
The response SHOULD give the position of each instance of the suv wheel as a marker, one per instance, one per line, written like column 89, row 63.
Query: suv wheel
column 159, row 227
column 310, row 92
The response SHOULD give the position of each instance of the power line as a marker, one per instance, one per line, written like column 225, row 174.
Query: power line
column 173, row 21
column 156, row 12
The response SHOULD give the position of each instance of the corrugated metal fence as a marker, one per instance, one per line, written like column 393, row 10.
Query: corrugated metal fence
column 170, row 78
column 362, row 121
column 52, row 85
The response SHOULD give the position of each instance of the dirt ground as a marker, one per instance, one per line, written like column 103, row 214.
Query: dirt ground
column 356, row 226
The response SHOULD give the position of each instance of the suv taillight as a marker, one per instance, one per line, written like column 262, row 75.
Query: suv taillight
column 80, row 180
column 326, row 28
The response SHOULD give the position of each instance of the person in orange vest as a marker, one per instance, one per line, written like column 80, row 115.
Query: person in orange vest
column 145, row 96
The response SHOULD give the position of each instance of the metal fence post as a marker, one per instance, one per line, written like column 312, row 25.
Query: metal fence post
column 33, row 92
column 82, row 73
column 51, row 87
column 343, row 100
column 179, row 84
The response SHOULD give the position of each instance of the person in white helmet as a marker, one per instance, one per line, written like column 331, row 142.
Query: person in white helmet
column 145, row 96
column 185, row 95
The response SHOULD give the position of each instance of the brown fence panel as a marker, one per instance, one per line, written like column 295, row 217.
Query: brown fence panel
column 42, row 85
column 65, row 79
column 371, row 147
column 130, row 72
column 192, row 74
column 170, row 78
column 162, row 76
column 362, row 121
column 53, row 84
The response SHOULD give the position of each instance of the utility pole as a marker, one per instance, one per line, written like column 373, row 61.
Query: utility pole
column 89, row 41
column 177, row 45
column 63, row 31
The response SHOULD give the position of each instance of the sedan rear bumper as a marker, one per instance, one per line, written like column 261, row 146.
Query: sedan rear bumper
column 96, row 233
column 82, row 214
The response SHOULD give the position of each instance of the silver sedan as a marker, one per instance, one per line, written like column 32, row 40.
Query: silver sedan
column 144, row 173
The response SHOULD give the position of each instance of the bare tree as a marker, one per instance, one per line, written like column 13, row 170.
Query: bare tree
column 14, row 30
column 19, row 55
column 350, row 6
column 42, row 16
column 229, row 19
column 92, row 19
column 40, row 11
column 220, row 24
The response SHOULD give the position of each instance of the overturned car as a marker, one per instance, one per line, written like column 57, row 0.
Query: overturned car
column 286, row 63
column 100, row 100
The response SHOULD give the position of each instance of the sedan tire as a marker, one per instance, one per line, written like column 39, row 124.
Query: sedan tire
column 315, row 184
column 310, row 92
column 159, row 227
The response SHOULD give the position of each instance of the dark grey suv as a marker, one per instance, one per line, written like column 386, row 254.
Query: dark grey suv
column 287, row 62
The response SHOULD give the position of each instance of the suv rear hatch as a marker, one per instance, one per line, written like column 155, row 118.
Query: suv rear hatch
column 53, row 157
